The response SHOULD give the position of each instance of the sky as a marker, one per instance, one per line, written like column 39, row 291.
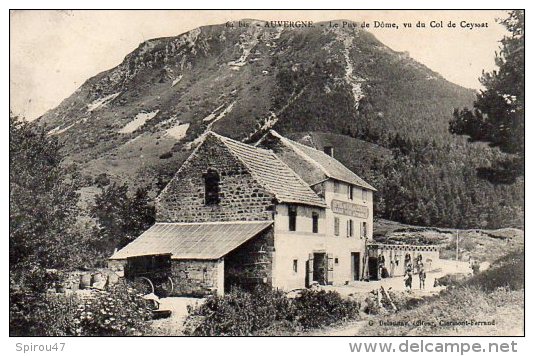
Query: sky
column 52, row 53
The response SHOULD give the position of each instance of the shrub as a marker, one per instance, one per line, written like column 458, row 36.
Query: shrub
column 507, row 272
column 41, row 314
column 265, row 312
column 119, row 311
column 239, row 312
column 166, row 155
column 318, row 308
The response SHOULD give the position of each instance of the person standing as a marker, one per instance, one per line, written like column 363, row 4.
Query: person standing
column 422, row 277
column 408, row 278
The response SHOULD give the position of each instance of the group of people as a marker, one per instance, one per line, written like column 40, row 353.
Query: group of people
column 410, row 269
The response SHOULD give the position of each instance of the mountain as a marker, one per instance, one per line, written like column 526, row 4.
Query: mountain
column 237, row 80
column 138, row 122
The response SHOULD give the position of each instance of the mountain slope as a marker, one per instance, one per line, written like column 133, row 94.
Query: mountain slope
column 386, row 114
column 237, row 80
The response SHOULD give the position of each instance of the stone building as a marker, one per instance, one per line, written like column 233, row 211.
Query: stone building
column 278, row 213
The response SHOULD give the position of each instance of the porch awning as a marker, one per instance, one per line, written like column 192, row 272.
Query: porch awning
column 192, row 240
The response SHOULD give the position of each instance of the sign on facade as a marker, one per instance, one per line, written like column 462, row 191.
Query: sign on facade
column 350, row 209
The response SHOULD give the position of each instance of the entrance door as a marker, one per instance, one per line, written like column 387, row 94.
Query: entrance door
column 319, row 268
column 355, row 265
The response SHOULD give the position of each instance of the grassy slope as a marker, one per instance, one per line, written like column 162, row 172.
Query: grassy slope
column 496, row 294
column 483, row 245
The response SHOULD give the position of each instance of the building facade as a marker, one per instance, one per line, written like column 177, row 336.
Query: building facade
column 278, row 213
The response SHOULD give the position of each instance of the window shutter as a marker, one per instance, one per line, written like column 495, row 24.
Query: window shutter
column 310, row 269
column 362, row 234
column 330, row 270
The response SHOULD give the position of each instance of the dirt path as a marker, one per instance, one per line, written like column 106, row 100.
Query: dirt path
column 352, row 328
column 174, row 325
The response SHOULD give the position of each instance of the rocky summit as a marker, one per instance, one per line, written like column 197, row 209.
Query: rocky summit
column 145, row 115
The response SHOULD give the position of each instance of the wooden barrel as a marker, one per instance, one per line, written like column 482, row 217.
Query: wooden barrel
column 98, row 281
column 96, row 278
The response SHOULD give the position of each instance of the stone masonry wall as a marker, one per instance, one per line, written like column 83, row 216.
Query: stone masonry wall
column 241, row 197
column 195, row 277
column 251, row 263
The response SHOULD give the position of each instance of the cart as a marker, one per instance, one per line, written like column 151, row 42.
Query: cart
column 151, row 274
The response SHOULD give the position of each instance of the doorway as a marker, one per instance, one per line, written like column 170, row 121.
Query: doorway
column 355, row 265
column 319, row 267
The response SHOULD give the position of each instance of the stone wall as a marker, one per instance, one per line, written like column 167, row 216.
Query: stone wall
column 197, row 277
column 251, row 264
column 241, row 197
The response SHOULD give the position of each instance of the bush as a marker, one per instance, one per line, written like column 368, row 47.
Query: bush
column 264, row 311
column 166, row 155
column 239, row 312
column 507, row 272
column 319, row 308
column 119, row 311
column 41, row 314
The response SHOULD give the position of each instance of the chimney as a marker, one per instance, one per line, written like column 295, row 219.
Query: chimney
column 329, row 150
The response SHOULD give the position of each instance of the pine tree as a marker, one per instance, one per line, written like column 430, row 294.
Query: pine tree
column 498, row 116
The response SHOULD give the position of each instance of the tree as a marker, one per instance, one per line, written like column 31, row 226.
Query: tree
column 122, row 218
column 498, row 116
column 42, row 199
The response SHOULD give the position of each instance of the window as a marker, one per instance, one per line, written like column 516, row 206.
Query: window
column 315, row 222
column 295, row 266
column 211, row 187
column 363, row 229
column 336, row 187
column 350, row 228
column 292, row 212
column 364, row 195
column 336, row 226
column 336, row 261
column 351, row 192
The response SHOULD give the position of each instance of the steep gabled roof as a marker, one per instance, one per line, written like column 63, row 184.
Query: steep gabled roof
column 272, row 173
column 323, row 163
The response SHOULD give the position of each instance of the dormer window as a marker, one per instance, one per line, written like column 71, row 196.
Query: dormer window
column 211, row 187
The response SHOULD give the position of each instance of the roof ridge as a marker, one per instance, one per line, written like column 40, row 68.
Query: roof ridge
column 296, row 146
column 224, row 138
column 257, row 177
column 299, row 151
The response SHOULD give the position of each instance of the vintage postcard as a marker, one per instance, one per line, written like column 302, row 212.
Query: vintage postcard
column 267, row 173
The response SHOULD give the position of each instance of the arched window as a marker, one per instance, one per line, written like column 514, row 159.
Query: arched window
column 211, row 187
